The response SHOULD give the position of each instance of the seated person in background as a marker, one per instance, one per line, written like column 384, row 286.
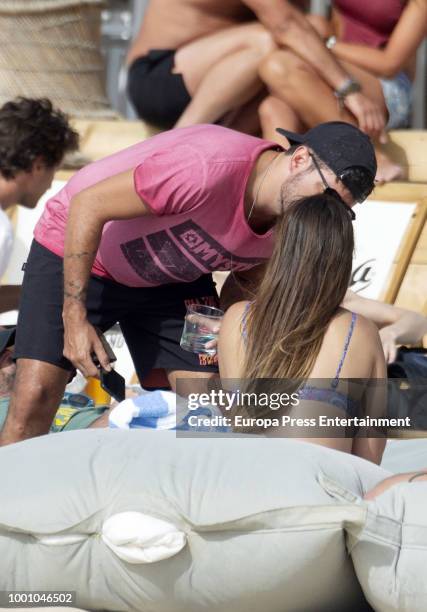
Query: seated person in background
column 397, row 325
column 34, row 138
column 76, row 411
column 375, row 43
column 197, row 61
column 295, row 327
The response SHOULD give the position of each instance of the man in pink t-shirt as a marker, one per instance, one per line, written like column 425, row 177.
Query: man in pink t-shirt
column 134, row 238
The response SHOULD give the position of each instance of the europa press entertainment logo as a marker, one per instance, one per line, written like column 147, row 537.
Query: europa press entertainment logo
column 363, row 275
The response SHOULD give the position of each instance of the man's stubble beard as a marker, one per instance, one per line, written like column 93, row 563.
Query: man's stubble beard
column 292, row 190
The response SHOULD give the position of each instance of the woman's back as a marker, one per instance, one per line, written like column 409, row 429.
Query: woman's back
column 351, row 347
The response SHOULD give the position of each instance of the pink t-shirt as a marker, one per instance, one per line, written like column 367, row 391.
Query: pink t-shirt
column 194, row 182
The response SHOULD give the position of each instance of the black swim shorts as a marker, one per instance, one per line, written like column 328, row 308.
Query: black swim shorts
column 158, row 95
column 151, row 318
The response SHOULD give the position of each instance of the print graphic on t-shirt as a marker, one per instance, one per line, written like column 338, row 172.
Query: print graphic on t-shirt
column 181, row 253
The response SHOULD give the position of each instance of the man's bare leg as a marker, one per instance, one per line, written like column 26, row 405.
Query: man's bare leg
column 37, row 393
column 189, row 382
column 220, row 71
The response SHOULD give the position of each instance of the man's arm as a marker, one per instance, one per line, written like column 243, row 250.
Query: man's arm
column 111, row 199
column 241, row 286
column 397, row 325
column 292, row 30
column 9, row 297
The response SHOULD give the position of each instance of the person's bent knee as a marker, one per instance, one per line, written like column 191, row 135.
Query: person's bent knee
column 274, row 67
column 264, row 41
column 37, row 392
column 31, row 413
column 256, row 36
column 281, row 69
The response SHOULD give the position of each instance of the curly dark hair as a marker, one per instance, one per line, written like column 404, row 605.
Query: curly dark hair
column 33, row 128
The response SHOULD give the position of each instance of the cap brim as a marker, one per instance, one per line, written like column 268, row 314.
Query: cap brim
column 291, row 136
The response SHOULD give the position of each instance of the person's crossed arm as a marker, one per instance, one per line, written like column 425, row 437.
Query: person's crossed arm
column 112, row 199
column 396, row 325
column 292, row 30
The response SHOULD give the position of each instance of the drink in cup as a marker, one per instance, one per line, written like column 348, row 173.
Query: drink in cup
column 201, row 327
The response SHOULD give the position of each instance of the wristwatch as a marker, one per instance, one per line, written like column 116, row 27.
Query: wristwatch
column 331, row 42
column 349, row 86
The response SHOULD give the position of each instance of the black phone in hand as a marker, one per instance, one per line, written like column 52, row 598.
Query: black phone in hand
column 113, row 383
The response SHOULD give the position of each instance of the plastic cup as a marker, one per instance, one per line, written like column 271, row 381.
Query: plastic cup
column 201, row 327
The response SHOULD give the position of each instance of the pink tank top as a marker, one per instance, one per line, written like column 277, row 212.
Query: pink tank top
column 371, row 22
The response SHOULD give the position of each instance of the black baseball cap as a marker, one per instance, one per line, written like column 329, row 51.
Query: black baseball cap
column 346, row 150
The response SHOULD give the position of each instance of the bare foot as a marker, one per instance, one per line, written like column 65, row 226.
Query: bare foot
column 387, row 170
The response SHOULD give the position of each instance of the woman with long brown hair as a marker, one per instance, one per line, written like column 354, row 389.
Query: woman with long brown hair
column 294, row 329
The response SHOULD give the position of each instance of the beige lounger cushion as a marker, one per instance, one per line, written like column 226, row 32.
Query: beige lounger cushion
column 388, row 539
column 262, row 535
column 390, row 552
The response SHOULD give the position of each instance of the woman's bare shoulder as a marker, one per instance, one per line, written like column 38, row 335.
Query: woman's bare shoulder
column 362, row 326
column 353, row 341
column 361, row 333
column 235, row 313
column 230, row 345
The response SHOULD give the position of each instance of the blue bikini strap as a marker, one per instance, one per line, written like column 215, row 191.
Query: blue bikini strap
column 335, row 381
column 244, row 321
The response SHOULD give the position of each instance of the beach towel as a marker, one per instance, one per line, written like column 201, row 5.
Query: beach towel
column 164, row 410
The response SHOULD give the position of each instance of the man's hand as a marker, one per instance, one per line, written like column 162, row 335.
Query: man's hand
column 80, row 343
column 369, row 115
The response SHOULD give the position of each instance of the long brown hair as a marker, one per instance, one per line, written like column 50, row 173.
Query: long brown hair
column 303, row 287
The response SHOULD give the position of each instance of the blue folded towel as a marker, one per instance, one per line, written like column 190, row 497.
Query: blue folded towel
column 160, row 410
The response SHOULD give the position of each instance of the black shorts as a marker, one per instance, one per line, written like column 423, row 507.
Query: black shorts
column 151, row 318
column 158, row 95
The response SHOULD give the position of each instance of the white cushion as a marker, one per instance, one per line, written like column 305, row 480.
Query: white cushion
column 139, row 538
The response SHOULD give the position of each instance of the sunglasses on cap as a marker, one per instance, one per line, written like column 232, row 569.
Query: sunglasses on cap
column 330, row 190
